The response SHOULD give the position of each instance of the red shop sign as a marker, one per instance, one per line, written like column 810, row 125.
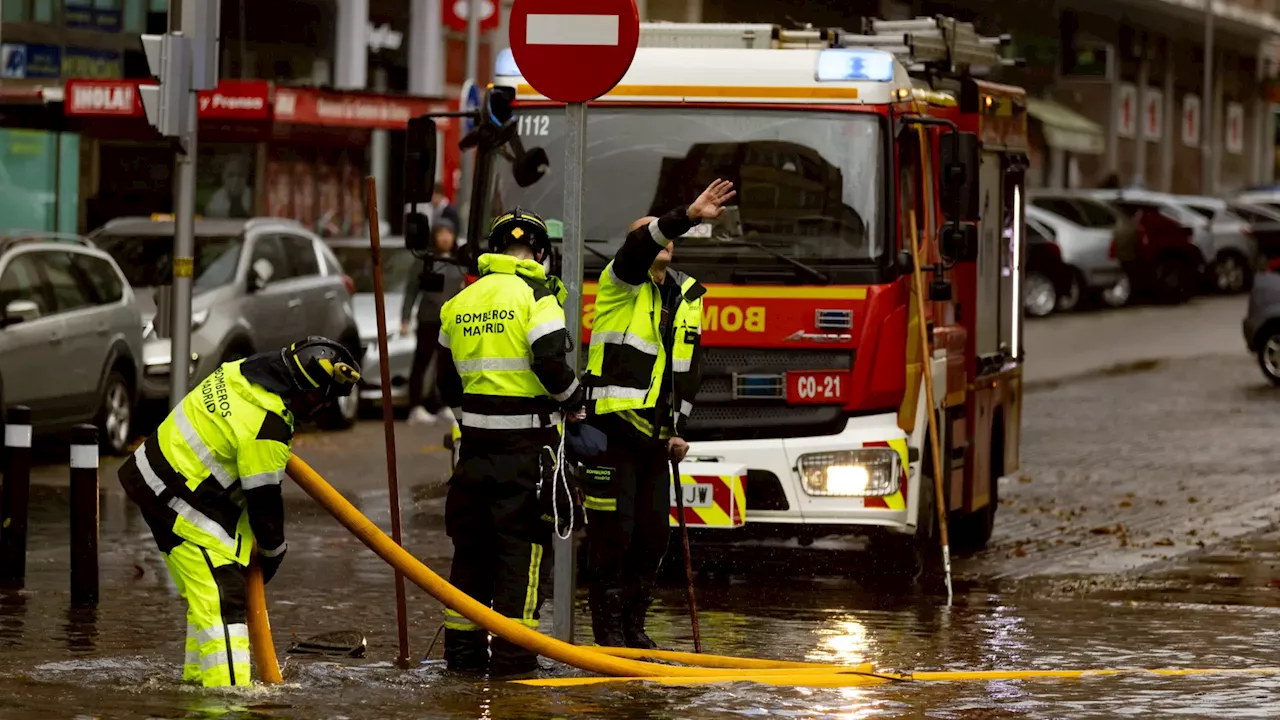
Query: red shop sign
column 313, row 107
column 237, row 100
column 102, row 98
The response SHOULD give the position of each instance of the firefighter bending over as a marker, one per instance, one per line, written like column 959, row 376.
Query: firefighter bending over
column 643, row 371
column 208, row 484
column 506, row 375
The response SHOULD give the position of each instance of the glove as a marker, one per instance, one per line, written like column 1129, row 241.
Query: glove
column 271, row 564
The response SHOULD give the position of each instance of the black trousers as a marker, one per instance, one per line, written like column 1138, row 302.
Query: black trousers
column 628, row 501
column 422, row 392
column 501, row 555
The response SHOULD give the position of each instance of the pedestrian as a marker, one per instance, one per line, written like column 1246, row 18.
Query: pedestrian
column 448, row 277
column 643, row 373
column 507, row 375
column 208, row 485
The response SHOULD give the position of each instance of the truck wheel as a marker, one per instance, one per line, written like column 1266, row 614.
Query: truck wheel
column 914, row 560
column 1269, row 354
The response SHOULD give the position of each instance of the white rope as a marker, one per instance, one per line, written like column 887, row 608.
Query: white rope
column 558, row 478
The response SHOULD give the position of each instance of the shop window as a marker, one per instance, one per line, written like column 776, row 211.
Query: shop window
column 14, row 11
column 28, row 179
column 135, row 16
column 43, row 10
column 225, row 181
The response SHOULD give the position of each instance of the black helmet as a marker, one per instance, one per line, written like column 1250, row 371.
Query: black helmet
column 519, row 226
column 320, row 364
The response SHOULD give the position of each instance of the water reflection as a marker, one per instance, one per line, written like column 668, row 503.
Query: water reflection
column 81, row 628
column 13, row 608
column 844, row 642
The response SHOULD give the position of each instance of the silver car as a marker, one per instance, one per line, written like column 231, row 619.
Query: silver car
column 70, row 336
column 1087, row 252
column 1262, row 322
column 259, row 284
column 355, row 255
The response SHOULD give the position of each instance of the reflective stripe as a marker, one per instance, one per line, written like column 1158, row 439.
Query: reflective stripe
column 191, row 631
column 678, row 365
column 193, row 658
column 613, row 337
column 218, row 632
column 201, row 521
column 455, row 621
column 655, row 232
column 545, row 329
column 617, row 392
column 444, row 339
column 508, row 422
column 531, row 590
column 686, row 408
column 599, row 503
column 631, row 289
column 482, row 364
column 218, row 659
column 202, row 451
column 274, row 552
column 144, row 466
column 275, row 477
column 562, row 396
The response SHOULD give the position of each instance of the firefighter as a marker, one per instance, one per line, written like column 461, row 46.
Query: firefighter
column 208, row 484
column 506, row 376
column 643, row 371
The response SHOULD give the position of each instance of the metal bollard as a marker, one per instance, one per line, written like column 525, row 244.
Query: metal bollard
column 84, row 515
column 16, row 497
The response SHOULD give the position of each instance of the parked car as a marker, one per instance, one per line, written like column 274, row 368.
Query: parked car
column 1223, row 238
column 259, row 284
column 70, row 337
column 1048, row 277
column 1167, row 265
column 356, row 258
column 1087, row 252
column 1262, row 322
column 1267, row 197
column 1264, row 221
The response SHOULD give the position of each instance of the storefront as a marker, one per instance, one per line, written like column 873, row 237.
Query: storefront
column 264, row 149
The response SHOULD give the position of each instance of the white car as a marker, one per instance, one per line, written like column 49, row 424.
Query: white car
column 1087, row 252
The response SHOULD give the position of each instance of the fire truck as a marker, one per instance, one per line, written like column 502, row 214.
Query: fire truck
column 811, row 423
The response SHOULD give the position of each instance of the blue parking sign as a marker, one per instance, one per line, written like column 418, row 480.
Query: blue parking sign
column 13, row 60
column 470, row 101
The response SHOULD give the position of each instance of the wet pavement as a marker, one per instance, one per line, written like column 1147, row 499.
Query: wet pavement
column 1140, row 534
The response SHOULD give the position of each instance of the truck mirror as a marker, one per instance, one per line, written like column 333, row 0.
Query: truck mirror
column 419, row 182
column 958, row 243
column 530, row 167
column 960, row 161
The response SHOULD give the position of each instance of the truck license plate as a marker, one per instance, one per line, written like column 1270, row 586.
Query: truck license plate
column 828, row 387
column 699, row 495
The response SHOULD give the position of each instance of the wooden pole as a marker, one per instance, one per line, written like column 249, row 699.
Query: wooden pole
column 260, row 642
column 388, row 417
column 917, row 250
column 688, row 560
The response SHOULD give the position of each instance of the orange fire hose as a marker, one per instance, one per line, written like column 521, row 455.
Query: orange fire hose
column 588, row 659
column 260, row 643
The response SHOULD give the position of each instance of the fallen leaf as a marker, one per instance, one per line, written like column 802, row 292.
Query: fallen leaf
column 1165, row 542
column 1193, row 499
column 1020, row 552
column 1102, row 530
column 1126, row 504
column 1024, row 479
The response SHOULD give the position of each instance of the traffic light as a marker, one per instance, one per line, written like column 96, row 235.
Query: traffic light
column 167, row 104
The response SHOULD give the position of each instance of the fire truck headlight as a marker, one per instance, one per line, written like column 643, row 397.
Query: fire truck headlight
column 869, row 472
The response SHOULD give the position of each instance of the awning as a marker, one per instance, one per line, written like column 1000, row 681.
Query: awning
column 1066, row 129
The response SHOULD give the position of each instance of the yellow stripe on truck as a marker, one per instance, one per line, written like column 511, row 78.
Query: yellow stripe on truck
column 731, row 292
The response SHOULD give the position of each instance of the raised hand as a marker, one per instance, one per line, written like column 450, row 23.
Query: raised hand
column 711, row 202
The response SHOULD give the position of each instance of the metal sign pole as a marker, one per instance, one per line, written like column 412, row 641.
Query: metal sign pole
column 184, row 243
column 571, row 274
column 1207, row 106
column 473, row 70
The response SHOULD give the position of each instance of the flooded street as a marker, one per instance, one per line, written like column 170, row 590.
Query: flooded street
column 1140, row 534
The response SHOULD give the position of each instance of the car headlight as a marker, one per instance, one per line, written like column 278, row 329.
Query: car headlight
column 869, row 472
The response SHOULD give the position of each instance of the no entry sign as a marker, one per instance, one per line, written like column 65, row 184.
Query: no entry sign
column 574, row 50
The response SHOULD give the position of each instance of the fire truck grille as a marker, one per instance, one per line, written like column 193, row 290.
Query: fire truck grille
column 718, row 415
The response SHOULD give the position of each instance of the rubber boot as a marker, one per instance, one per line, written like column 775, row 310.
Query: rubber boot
column 510, row 659
column 606, row 618
column 466, row 651
column 633, row 622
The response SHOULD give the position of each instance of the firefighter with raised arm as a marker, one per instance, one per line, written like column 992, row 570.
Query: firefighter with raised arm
column 643, row 374
column 506, row 376
column 208, row 485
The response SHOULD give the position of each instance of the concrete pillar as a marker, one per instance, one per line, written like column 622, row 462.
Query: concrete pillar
column 1267, row 150
column 642, row 7
column 1113, row 123
column 693, row 11
column 1173, row 120
column 380, row 148
column 1057, row 168
column 426, row 48
column 1219, row 124
column 351, row 51
column 1140, row 131
column 502, row 39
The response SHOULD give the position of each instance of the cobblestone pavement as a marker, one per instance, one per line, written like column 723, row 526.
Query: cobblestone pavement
column 1130, row 469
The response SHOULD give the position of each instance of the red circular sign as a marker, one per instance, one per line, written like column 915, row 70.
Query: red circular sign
column 574, row 50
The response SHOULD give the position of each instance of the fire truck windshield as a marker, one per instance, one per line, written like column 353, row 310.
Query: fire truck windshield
column 809, row 183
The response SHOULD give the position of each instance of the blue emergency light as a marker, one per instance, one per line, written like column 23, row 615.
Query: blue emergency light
column 852, row 65
column 505, row 64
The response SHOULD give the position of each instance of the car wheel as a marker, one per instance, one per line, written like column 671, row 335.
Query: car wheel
column 115, row 415
column 1118, row 295
column 1269, row 356
column 1041, row 297
column 1230, row 274
column 1070, row 300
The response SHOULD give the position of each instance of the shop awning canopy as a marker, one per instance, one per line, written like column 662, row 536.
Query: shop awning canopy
column 1066, row 129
